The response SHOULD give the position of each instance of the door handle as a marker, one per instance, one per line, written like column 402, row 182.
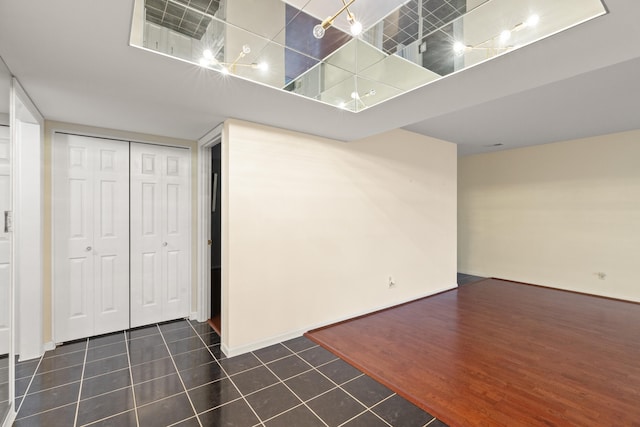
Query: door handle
column 88, row 248
column 209, row 242
column 8, row 221
column 164, row 243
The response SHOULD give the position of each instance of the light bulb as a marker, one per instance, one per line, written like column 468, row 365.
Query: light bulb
column 459, row 48
column 246, row 49
column 354, row 95
column 204, row 62
column 262, row 66
column 318, row 31
column 532, row 21
column 224, row 70
column 342, row 105
column 207, row 54
column 505, row 35
column 356, row 28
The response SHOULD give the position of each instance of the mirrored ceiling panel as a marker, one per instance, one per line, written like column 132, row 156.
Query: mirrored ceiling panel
column 352, row 54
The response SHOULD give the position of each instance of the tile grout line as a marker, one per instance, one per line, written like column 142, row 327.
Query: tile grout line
column 44, row 412
column 368, row 408
column 383, row 400
column 339, row 386
column 106, row 392
column 296, row 407
column 180, row 422
column 354, row 417
column 430, row 422
column 86, row 350
column 106, row 373
column 219, row 406
column 105, row 418
column 156, row 378
column 59, row 369
column 286, row 379
column 77, row 364
column 133, row 389
column 289, row 388
column 180, row 376
column 33, row 376
column 260, row 422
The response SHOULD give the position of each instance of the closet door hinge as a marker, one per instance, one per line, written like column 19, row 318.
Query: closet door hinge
column 8, row 221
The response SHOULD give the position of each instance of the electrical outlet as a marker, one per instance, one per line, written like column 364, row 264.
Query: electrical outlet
column 392, row 284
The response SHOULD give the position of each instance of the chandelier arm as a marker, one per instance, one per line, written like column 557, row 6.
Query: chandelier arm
column 329, row 21
column 349, row 14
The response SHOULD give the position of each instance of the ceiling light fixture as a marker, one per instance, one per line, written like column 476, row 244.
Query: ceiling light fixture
column 532, row 21
column 246, row 49
column 356, row 99
column 262, row 66
column 208, row 60
column 505, row 36
column 355, row 25
column 489, row 45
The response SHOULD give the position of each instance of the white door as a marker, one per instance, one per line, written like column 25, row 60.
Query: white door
column 160, row 233
column 5, row 238
column 91, row 236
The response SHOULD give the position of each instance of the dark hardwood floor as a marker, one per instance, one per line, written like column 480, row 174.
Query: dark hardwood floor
column 497, row 353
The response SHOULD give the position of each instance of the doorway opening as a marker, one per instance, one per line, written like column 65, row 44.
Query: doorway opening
column 215, row 238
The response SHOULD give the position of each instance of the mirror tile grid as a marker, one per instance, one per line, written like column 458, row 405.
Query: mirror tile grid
column 175, row 374
column 361, row 55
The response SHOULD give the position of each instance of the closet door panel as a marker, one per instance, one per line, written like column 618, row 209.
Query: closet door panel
column 160, row 239
column 111, row 236
column 73, row 238
column 91, row 236
column 146, row 235
column 177, row 229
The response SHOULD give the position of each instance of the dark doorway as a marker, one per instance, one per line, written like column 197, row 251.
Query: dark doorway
column 216, row 239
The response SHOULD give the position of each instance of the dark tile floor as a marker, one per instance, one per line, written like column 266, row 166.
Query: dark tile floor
column 175, row 374
column 463, row 279
column 4, row 386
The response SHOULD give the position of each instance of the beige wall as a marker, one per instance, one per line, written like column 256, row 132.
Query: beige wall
column 555, row 215
column 50, row 128
column 316, row 227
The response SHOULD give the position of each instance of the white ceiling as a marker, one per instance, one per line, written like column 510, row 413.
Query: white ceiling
column 74, row 60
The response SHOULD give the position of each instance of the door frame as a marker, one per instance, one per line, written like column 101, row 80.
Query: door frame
column 213, row 137
column 28, row 200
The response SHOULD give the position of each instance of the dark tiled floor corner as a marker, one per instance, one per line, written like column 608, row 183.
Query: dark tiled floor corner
column 175, row 373
column 464, row 279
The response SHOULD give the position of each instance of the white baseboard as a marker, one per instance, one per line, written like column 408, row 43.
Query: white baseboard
column 194, row 316
column 236, row 351
column 225, row 349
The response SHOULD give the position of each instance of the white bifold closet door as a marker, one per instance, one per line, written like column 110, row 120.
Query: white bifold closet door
column 160, row 233
column 90, row 236
column 5, row 238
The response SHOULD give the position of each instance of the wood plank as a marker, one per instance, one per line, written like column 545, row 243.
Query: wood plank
column 503, row 354
column 215, row 323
